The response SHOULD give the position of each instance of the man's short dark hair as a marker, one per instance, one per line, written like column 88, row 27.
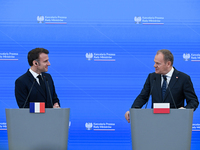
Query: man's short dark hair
column 168, row 56
column 34, row 54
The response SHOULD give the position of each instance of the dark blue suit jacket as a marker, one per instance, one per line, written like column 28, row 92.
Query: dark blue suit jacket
column 23, row 85
column 181, row 88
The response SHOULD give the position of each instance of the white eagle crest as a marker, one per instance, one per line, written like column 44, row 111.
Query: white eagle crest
column 88, row 125
column 40, row 19
column 186, row 56
column 137, row 19
column 89, row 56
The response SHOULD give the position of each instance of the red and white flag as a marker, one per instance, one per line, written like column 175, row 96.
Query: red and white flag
column 161, row 108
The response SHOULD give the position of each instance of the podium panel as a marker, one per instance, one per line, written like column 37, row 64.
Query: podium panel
column 44, row 131
column 161, row 131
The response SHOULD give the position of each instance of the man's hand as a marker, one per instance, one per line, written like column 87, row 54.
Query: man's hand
column 56, row 105
column 127, row 116
column 181, row 108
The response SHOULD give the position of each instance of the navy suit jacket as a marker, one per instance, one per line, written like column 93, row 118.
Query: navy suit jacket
column 23, row 85
column 181, row 88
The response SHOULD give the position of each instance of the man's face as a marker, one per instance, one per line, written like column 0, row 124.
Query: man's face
column 161, row 67
column 43, row 63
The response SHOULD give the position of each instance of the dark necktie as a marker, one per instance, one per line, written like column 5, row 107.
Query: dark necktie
column 42, row 84
column 164, row 86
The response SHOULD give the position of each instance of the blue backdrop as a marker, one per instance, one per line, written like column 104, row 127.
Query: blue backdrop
column 101, row 52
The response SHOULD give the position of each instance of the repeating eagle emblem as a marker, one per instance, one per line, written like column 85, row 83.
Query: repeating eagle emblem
column 88, row 125
column 137, row 19
column 186, row 56
column 40, row 19
column 89, row 56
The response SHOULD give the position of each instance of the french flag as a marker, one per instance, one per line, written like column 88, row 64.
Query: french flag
column 161, row 108
column 37, row 107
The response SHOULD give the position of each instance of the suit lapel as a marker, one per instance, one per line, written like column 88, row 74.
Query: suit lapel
column 41, row 90
column 158, row 86
column 30, row 76
column 172, row 82
column 174, row 78
column 36, row 85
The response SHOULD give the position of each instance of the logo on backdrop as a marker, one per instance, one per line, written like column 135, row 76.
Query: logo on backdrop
column 186, row 56
column 8, row 56
column 192, row 57
column 196, row 127
column 100, row 56
column 88, row 126
column 3, row 126
column 89, row 56
column 137, row 19
column 152, row 20
column 70, row 124
column 100, row 126
column 52, row 19
column 40, row 19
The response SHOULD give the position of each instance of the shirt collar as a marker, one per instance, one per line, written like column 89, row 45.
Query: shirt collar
column 169, row 74
column 33, row 73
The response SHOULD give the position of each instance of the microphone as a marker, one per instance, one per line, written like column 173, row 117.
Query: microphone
column 165, row 78
column 29, row 93
column 49, row 91
column 150, row 91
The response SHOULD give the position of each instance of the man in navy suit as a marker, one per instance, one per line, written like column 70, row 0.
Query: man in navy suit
column 30, row 87
column 178, row 85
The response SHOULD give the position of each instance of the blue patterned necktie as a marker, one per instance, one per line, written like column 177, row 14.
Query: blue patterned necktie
column 164, row 86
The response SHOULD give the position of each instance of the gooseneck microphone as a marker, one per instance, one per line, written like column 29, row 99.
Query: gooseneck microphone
column 150, row 92
column 165, row 78
column 49, row 91
column 29, row 93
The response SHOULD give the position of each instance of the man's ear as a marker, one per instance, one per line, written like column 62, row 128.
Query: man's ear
column 35, row 63
column 169, row 63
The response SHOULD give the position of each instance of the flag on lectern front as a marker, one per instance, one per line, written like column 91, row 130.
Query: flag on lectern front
column 161, row 108
column 37, row 107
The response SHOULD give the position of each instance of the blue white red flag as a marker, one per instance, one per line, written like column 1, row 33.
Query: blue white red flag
column 37, row 107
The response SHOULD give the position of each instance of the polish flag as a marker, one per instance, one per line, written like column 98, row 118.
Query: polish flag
column 161, row 108
column 37, row 107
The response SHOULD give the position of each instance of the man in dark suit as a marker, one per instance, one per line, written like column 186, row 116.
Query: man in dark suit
column 36, row 85
column 178, row 85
